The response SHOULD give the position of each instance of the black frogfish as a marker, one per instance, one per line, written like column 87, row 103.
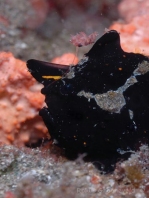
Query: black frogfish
column 99, row 106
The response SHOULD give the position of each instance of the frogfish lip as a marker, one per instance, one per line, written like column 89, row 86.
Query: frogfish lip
column 45, row 72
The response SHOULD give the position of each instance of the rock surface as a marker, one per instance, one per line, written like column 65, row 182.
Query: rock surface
column 26, row 173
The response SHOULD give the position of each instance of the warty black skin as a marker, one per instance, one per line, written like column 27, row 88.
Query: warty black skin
column 79, row 125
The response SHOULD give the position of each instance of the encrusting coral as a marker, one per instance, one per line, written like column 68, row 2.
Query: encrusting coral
column 20, row 101
column 66, row 59
column 134, row 26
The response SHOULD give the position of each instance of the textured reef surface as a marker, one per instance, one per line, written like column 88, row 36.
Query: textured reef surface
column 99, row 106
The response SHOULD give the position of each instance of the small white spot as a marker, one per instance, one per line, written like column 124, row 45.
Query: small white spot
column 130, row 114
column 55, row 141
column 71, row 73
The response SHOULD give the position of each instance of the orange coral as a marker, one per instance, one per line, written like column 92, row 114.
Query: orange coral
column 9, row 194
column 66, row 59
column 135, row 31
column 95, row 179
column 20, row 100
column 135, row 8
